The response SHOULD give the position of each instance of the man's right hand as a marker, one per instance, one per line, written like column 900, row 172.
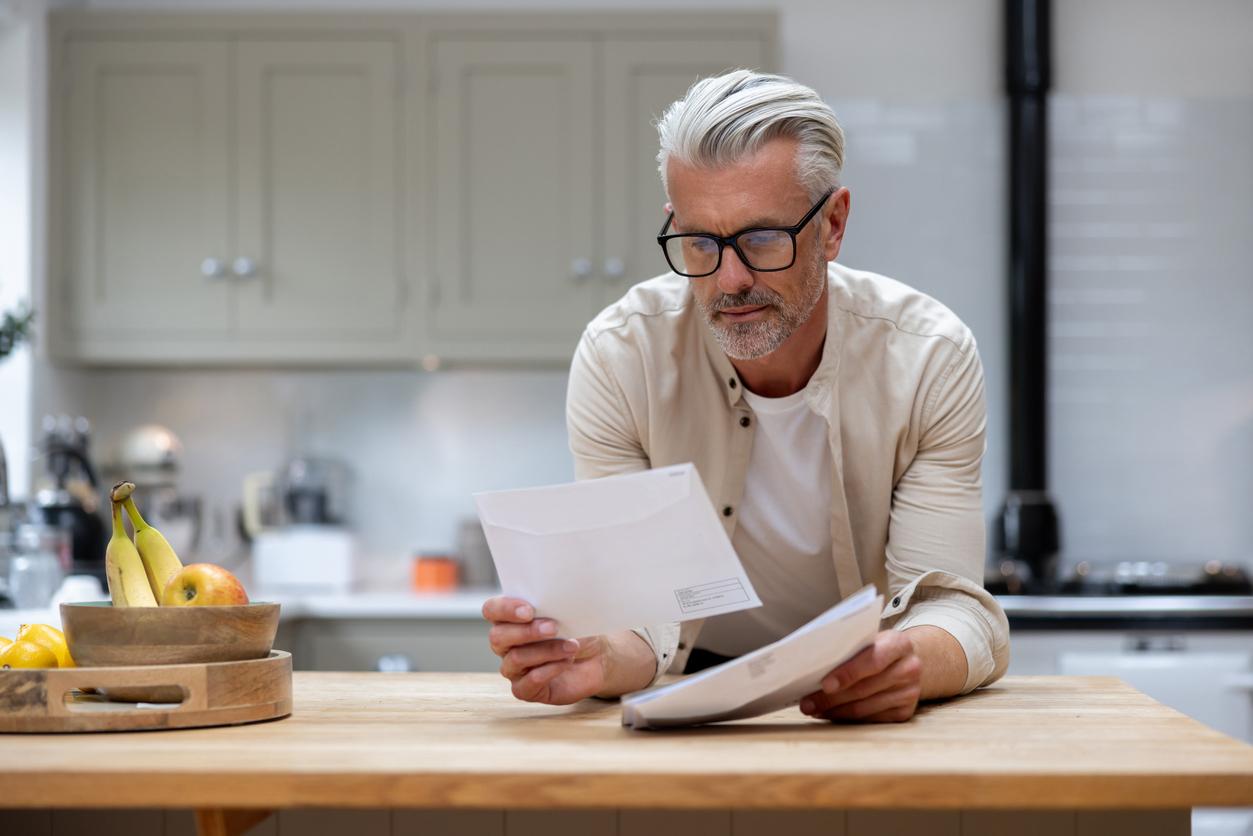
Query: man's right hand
column 562, row 671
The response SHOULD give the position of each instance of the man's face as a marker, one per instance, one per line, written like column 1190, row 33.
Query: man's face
column 751, row 313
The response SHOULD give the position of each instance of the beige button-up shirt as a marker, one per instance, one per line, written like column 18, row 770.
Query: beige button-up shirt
column 901, row 388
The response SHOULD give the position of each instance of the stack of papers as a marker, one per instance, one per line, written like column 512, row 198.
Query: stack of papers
column 770, row 678
column 614, row 553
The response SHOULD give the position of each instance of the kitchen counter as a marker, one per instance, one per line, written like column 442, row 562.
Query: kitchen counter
column 461, row 742
column 466, row 603
column 1042, row 612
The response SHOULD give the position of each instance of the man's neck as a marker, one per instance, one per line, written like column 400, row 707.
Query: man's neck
column 787, row 369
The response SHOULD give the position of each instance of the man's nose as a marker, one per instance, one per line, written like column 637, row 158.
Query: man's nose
column 733, row 276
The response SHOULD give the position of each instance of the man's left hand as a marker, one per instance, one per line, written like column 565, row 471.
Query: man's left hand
column 881, row 684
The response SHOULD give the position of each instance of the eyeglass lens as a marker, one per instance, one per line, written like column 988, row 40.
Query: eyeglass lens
column 698, row 255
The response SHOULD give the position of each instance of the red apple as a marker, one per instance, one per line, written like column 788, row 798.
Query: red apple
column 203, row 585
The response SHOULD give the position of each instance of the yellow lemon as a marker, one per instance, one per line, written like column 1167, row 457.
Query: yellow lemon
column 49, row 637
column 22, row 654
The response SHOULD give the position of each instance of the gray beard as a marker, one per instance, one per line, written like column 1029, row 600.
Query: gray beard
column 751, row 340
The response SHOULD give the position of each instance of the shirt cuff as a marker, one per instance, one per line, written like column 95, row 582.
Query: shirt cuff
column 664, row 641
column 978, row 625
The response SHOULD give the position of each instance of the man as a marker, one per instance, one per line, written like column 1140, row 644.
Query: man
column 836, row 417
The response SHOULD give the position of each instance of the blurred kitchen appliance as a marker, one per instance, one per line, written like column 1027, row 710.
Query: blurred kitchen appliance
column 151, row 456
column 297, row 520
column 67, row 494
column 478, row 570
column 307, row 490
column 1126, row 577
column 37, row 564
column 304, row 559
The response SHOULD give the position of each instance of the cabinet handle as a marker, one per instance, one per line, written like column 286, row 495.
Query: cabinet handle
column 394, row 663
column 213, row 268
column 615, row 268
column 244, row 268
column 581, row 269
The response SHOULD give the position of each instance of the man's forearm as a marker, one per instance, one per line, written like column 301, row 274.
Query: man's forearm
column 629, row 664
column 944, row 664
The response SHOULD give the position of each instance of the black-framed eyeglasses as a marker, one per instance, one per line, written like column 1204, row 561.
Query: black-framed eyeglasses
column 763, row 249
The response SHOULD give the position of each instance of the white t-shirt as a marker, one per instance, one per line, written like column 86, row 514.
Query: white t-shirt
column 784, row 533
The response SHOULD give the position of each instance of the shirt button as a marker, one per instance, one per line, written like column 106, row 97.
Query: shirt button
column 896, row 602
column 745, row 421
column 731, row 382
column 682, row 646
column 726, row 512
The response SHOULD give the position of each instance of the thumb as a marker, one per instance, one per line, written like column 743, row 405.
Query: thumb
column 590, row 646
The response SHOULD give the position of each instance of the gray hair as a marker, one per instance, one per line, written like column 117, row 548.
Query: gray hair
column 723, row 119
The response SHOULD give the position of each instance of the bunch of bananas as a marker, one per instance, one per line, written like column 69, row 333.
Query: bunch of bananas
column 138, row 570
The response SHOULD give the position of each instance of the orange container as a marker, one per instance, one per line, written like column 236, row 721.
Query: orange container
column 434, row 573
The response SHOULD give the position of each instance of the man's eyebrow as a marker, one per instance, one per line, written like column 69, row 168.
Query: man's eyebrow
column 754, row 223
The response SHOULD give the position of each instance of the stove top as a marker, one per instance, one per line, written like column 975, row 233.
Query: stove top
column 1010, row 577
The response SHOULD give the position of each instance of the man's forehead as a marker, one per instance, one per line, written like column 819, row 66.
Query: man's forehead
column 762, row 189
column 709, row 207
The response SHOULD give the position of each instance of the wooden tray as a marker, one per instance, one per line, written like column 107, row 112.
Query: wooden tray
column 213, row 694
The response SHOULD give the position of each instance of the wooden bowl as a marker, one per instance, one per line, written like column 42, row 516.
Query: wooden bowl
column 101, row 635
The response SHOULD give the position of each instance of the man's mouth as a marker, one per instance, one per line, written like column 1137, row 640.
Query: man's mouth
column 743, row 313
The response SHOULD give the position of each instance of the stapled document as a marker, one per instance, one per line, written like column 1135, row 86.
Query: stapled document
column 770, row 678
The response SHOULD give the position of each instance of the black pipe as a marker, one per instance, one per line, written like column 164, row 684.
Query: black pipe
column 1028, row 530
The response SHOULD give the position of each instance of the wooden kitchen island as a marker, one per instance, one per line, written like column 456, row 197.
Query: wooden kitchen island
column 455, row 753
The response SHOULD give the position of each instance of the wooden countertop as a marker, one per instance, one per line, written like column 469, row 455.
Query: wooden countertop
column 461, row 741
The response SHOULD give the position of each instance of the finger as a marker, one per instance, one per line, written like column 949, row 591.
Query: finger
column 504, row 637
column 867, row 663
column 521, row 659
column 892, row 715
column 533, row 687
column 904, row 671
column 903, row 698
column 504, row 608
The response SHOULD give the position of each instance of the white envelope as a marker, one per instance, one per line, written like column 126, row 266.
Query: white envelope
column 613, row 553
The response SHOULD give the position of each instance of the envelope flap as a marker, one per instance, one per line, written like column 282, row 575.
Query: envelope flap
column 585, row 505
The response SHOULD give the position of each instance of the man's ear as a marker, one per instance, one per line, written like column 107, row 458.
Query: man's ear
column 836, row 216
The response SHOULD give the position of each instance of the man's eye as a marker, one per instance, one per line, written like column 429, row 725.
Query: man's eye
column 703, row 246
column 762, row 239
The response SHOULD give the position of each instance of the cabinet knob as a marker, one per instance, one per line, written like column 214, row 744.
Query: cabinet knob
column 581, row 269
column 213, row 268
column 244, row 268
column 615, row 268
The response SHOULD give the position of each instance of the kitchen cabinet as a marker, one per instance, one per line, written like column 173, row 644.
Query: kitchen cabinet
column 547, row 202
column 382, row 189
column 1206, row 674
column 428, row 644
column 227, row 197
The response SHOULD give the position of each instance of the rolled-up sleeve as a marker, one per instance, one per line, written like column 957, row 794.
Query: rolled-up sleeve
column 605, row 442
column 936, row 536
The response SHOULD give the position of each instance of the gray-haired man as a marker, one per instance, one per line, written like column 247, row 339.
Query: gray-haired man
column 836, row 416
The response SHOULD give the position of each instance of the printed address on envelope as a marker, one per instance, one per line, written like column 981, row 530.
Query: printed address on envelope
column 711, row 596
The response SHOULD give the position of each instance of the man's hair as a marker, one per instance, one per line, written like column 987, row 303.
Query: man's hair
column 723, row 119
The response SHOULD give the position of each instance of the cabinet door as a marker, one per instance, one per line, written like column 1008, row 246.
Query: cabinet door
column 513, row 202
column 144, row 191
column 317, row 210
column 642, row 78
